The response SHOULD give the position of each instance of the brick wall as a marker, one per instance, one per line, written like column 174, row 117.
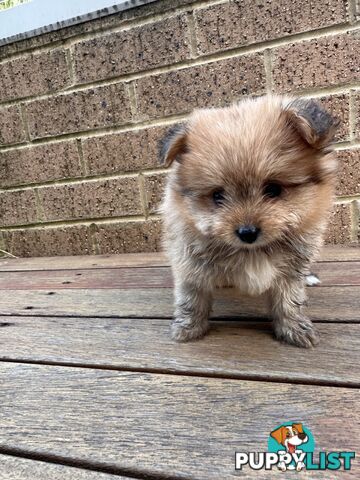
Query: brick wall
column 81, row 110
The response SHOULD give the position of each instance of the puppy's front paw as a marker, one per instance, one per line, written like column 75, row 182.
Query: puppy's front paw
column 311, row 280
column 300, row 333
column 183, row 331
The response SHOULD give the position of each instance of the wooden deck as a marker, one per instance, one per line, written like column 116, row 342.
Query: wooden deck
column 92, row 387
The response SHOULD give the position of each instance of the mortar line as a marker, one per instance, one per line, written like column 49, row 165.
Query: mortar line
column 84, row 167
column 203, row 60
column 346, row 199
column 351, row 10
column 82, row 180
column 268, row 70
column 355, row 221
column 70, row 65
column 131, row 93
column 352, row 117
column 2, row 245
column 126, row 127
column 84, row 222
column 143, row 195
column 24, row 122
column 352, row 145
column 191, row 34
column 94, row 241
column 316, row 92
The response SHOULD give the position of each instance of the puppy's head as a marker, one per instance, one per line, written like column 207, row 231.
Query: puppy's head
column 254, row 173
column 290, row 436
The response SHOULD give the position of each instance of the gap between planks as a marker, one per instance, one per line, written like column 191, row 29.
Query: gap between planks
column 22, row 465
column 329, row 254
column 188, row 373
column 228, row 351
column 87, row 468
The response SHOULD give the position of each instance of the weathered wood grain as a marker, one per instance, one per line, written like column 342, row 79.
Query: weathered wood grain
column 331, row 304
column 338, row 273
column 149, row 277
column 233, row 349
column 84, row 261
column 330, row 273
column 163, row 424
column 328, row 254
column 336, row 253
column 15, row 468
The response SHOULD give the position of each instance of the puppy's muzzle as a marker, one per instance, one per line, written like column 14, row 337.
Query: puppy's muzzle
column 248, row 233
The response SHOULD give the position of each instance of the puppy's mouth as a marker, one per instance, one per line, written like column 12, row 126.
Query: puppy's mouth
column 291, row 447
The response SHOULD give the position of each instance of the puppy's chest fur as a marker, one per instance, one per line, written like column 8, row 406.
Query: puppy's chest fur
column 253, row 273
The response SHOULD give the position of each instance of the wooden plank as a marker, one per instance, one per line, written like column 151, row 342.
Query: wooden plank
column 331, row 304
column 150, row 277
column 338, row 273
column 335, row 253
column 232, row 349
column 15, row 468
column 328, row 254
column 164, row 424
column 84, row 261
column 335, row 273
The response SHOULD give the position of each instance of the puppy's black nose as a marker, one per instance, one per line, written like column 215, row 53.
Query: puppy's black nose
column 248, row 233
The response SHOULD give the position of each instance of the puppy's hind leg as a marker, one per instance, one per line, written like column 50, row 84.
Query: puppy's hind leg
column 192, row 309
column 290, row 324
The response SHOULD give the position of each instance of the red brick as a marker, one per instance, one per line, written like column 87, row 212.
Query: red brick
column 39, row 163
column 123, row 152
column 17, row 207
column 48, row 242
column 239, row 23
column 349, row 172
column 212, row 84
column 95, row 199
column 133, row 50
column 128, row 237
column 326, row 61
column 154, row 189
column 11, row 127
column 339, row 230
column 33, row 75
column 79, row 111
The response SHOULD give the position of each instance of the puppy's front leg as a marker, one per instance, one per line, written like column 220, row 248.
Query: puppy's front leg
column 290, row 324
column 192, row 308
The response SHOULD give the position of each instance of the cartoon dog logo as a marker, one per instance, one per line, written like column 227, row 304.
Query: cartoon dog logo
column 290, row 437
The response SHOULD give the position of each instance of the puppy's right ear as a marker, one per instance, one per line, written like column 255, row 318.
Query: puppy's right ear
column 173, row 145
column 279, row 435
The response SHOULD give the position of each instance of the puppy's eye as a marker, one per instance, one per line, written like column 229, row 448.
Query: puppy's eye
column 272, row 190
column 218, row 197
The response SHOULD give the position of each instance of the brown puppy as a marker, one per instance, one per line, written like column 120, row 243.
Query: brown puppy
column 246, row 204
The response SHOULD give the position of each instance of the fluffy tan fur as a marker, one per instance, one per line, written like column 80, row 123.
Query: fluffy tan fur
column 239, row 151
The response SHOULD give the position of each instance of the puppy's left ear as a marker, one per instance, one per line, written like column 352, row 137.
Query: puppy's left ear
column 316, row 126
column 173, row 145
column 298, row 427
